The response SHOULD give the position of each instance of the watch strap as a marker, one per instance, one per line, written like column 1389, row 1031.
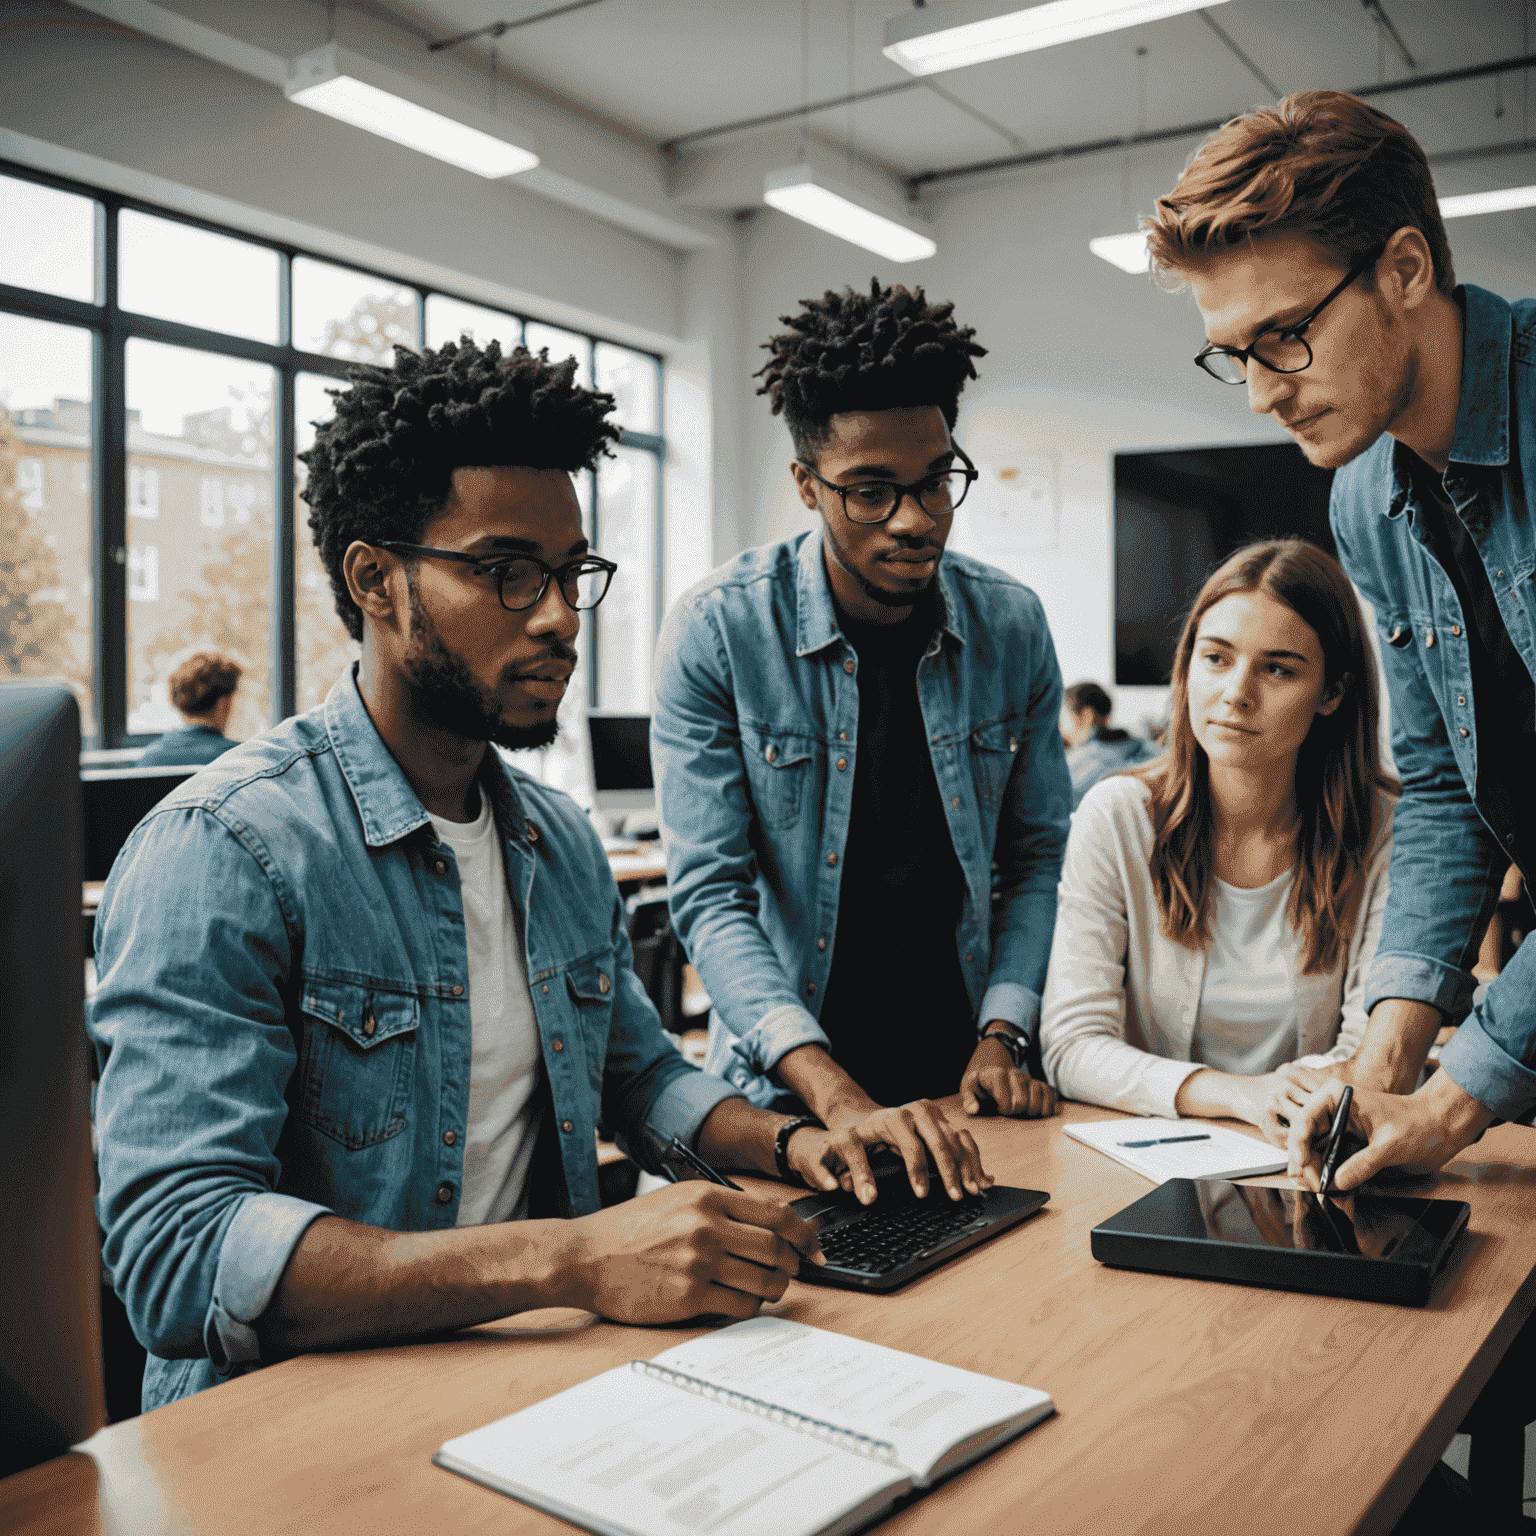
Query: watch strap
column 787, row 1128
column 1015, row 1045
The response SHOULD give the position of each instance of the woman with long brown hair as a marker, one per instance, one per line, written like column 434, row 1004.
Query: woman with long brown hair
column 1219, row 909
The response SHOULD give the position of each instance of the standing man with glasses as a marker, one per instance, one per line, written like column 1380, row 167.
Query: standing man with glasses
column 861, row 783
column 1312, row 239
column 365, row 990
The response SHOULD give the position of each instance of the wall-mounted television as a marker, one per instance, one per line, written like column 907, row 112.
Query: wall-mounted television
column 1178, row 514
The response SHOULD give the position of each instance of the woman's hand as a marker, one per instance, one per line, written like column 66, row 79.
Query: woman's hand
column 1279, row 1097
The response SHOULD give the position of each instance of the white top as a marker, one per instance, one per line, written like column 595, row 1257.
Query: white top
column 504, row 1034
column 1247, row 1018
column 1117, row 1024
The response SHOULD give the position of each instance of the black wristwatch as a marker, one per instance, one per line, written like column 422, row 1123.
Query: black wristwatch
column 781, row 1142
column 1015, row 1045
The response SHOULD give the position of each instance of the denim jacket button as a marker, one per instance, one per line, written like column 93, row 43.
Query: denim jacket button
column 1429, row 638
column 557, row 1045
column 1464, row 731
column 565, row 1125
column 821, row 943
column 604, row 985
column 848, row 665
column 771, row 753
column 449, row 1137
column 843, row 735
column 444, row 1193
column 842, row 765
column 440, row 867
column 369, row 1024
column 1455, row 629
column 458, row 991
column 954, row 800
column 810, row 988
column 831, row 858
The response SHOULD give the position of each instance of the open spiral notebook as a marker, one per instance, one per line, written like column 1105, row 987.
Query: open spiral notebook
column 765, row 1428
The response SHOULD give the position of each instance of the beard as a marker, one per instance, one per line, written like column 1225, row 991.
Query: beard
column 451, row 697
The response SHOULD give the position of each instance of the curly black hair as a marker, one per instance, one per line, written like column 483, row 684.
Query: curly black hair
column 852, row 351
column 382, row 466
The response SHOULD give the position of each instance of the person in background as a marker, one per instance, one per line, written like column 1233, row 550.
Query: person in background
column 1312, row 239
column 1220, row 908
column 1095, row 749
column 365, row 990
column 203, row 690
column 853, row 729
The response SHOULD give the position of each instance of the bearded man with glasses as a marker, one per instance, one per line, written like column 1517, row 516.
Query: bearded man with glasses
column 861, row 783
column 1312, row 238
column 365, row 988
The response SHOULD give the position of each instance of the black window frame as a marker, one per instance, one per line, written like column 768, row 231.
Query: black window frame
column 112, row 327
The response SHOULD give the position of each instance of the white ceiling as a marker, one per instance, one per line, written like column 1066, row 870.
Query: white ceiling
column 658, row 69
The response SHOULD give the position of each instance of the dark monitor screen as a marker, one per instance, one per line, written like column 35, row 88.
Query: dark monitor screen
column 113, row 802
column 50, row 1344
column 621, row 751
column 1180, row 514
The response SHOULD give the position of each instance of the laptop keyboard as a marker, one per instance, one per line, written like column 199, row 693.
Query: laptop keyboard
column 884, row 1240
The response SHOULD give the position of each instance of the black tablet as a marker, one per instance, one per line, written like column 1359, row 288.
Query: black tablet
column 1370, row 1246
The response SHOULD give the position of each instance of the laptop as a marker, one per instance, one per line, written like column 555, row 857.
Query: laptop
column 881, row 1247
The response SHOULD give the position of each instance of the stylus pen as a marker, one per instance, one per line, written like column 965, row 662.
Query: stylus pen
column 683, row 1150
column 1163, row 1141
column 1335, row 1139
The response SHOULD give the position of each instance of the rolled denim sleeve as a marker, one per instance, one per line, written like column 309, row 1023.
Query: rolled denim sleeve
column 193, row 952
column 711, row 868
column 1031, row 841
column 650, row 1093
column 1490, row 1056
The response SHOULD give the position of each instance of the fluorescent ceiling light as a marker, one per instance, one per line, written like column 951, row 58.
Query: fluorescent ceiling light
column 1468, row 203
column 1128, row 252
column 939, row 37
column 333, row 83
column 795, row 191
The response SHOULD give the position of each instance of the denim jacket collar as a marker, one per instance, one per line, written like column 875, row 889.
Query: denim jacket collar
column 816, row 615
column 387, row 805
column 1482, row 416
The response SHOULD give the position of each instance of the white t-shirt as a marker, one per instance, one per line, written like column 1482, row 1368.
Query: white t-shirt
column 1247, row 1019
column 504, row 1033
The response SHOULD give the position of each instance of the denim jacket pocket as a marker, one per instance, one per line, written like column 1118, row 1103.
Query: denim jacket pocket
column 778, row 764
column 590, row 983
column 358, row 1059
column 994, row 750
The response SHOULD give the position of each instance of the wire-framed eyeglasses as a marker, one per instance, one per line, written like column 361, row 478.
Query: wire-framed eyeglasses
column 1282, row 348
column 876, row 501
column 522, row 580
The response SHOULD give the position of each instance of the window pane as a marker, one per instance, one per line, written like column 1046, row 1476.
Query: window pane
column 626, row 622
column 448, row 319
column 47, row 240
column 325, row 648
column 199, row 567
column 349, row 314
column 176, row 272
column 630, row 377
column 562, row 344
column 45, row 506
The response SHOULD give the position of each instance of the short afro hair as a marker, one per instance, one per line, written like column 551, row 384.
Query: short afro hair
column 202, row 680
column 382, row 466
column 865, row 352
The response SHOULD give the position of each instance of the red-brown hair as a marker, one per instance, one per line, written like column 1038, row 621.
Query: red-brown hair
column 1339, row 781
column 202, row 680
column 1321, row 164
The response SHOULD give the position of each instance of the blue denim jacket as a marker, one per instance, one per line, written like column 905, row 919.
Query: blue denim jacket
column 283, row 1026
column 1447, row 863
column 1095, row 759
column 756, row 703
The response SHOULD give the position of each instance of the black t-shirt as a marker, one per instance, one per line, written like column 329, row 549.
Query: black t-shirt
column 896, row 1009
column 1503, row 693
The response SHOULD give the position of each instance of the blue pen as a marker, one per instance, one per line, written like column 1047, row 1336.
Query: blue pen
column 1163, row 1141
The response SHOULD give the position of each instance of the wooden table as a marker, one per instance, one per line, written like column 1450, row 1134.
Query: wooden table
column 1184, row 1406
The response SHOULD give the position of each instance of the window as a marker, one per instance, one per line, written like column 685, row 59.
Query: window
column 208, row 354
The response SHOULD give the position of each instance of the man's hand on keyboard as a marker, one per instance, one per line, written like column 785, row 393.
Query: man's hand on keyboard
column 916, row 1132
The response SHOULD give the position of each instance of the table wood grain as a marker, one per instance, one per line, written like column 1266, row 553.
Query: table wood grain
column 1184, row 1406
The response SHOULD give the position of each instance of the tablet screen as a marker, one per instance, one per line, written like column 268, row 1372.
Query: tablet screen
column 1373, row 1226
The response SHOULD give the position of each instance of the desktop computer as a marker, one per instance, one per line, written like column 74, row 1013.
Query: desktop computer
column 619, row 768
column 51, row 1392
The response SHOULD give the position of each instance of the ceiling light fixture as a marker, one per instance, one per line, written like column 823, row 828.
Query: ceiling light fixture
column 935, row 38
column 1465, row 204
column 1130, row 253
column 355, row 90
column 799, row 192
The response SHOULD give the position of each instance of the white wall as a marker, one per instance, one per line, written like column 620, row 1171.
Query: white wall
column 1084, row 360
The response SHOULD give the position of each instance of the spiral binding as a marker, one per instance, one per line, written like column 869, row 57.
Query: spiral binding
column 832, row 1434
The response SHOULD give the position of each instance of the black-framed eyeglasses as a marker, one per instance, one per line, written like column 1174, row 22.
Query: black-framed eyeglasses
column 876, row 501
column 522, row 580
column 1283, row 348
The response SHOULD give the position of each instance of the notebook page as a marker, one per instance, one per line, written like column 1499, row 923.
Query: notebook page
column 626, row 1453
column 1225, row 1154
column 919, row 1406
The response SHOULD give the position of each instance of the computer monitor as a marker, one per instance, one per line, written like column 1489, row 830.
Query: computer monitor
column 619, row 749
column 114, row 801
column 50, row 1347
